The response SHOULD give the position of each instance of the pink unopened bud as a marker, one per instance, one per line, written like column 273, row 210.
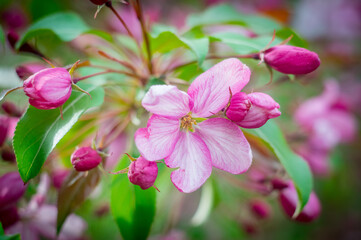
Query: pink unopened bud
column 99, row 2
column 143, row 173
column 11, row 109
column 9, row 216
column 4, row 123
column 288, row 199
column 291, row 60
column 49, row 88
column 59, row 177
column 238, row 107
column 278, row 184
column 26, row 70
column 85, row 158
column 12, row 189
column 260, row 209
column 261, row 107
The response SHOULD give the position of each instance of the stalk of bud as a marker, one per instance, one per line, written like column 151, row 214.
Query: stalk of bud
column 85, row 158
column 143, row 173
column 291, row 60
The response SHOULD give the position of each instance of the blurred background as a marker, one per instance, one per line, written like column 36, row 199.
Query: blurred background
column 331, row 28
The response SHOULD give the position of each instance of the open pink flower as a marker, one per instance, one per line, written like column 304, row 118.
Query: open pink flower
column 172, row 132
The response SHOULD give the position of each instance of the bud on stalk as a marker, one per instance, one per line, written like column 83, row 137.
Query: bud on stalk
column 143, row 173
column 85, row 158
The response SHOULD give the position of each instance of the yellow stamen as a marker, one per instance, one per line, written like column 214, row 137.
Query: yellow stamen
column 187, row 122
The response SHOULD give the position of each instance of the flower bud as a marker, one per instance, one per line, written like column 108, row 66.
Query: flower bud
column 11, row 109
column 238, row 107
column 289, row 198
column 85, row 158
column 12, row 189
column 260, row 209
column 9, row 216
column 291, row 60
column 8, row 154
column 26, row 70
column 278, row 184
column 262, row 107
column 143, row 173
column 49, row 88
column 99, row 2
column 4, row 123
column 59, row 177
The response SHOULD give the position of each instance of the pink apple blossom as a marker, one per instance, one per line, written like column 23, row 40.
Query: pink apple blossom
column 174, row 134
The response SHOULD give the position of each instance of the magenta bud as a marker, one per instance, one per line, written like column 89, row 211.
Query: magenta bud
column 85, row 158
column 238, row 107
column 7, row 154
column 262, row 107
column 59, row 177
column 26, row 70
column 260, row 209
column 11, row 109
column 289, row 198
column 49, row 88
column 12, row 188
column 291, row 60
column 9, row 216
column 143, row 173
column 99, row 2
column 4, row 126
column 278, row 184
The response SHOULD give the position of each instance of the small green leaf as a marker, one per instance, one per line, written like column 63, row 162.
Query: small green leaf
column 38, row 131
column 296, row 40
column 294, row 165
column 165, row 39
column 74, row 192
column 8, row 237
column 133, row 208
column 227, row 14
column 65, row 25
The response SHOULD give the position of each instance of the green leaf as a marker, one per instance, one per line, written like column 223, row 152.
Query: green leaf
column 154, row 81
column 165, row 39
column 227, row 14
column 294, row 165
column 2, row 36
column 133, row 208
column 38, row 131
column 244, row 45
column 74, row 192
column 296, row 40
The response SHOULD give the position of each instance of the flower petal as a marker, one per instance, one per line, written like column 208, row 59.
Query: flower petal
column 230, row 150
column 167, row 101
column 192, row 157
column 157, row 140
column 210, row 90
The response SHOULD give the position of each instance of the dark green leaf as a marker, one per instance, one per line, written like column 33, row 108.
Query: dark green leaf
column 74, row 192
column 133, row 208
column 227, row 14
column 164, row 39
column 294, row 165
column 38, row 131
column 2, row 35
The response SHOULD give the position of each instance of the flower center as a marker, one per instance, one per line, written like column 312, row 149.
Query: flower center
column 187, row 122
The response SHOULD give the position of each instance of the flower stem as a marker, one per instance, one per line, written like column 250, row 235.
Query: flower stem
column 253, row 55
column 140, row 16
column 105, row 72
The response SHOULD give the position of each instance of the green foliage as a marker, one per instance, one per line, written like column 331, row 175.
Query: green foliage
column 74, row 192
column 296, row 40
column 294, row 165
column 133, row 208
column 227, row 14
column 65, row 25
column 38, row 131
column 165, row 39
column 2, row 36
